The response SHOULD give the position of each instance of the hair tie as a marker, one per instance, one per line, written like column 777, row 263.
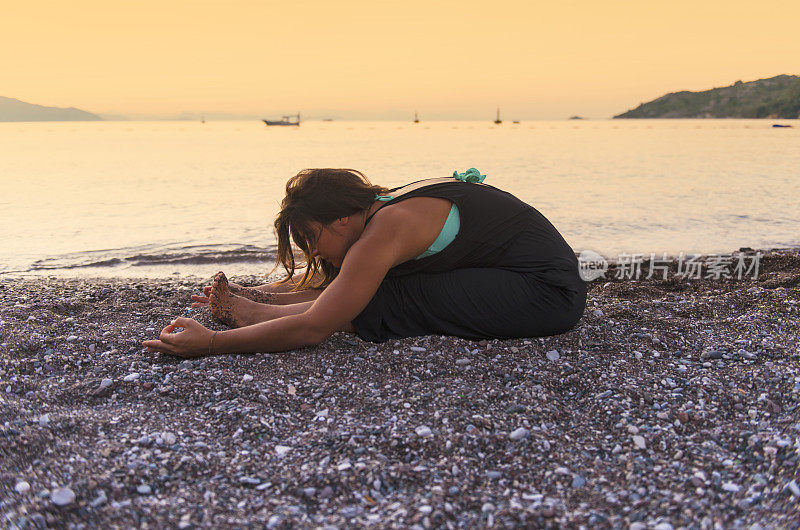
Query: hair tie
column 471, row 175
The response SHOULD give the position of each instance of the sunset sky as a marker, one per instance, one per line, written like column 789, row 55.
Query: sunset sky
column 384, row 59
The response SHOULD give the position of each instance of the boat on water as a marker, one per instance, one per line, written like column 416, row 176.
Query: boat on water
column 779, row 125
column 498, row 121
column 285, row 120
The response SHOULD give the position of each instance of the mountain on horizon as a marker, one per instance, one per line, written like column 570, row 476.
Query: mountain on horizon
column 15, row 110
column 776, row 97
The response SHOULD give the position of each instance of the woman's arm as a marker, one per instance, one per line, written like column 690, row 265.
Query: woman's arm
column 393, row 239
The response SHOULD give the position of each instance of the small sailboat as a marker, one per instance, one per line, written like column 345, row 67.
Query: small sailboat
column 498, row 121
column 285, row 120
column 416, row 118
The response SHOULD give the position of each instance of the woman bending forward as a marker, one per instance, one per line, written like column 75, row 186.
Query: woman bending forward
column 446, row 256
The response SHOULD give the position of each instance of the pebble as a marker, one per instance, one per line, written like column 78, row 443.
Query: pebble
column 106, row 382
column 62, row 496
column 424, row 431
column 131, row 377
column 598, row 313
column 143, row 489
column 44, row 420
column 22, row 487
column 494, row 474
column 639, row 442
column 519, row 434
column 281, row 450
column 730, row 486
column 417, row 348
column 168, row 438
column 100, row 499
column 463, row 361
column 247, row 377
column 487, row 507
column 793, row 487
column 553, row 355
column 578, row 481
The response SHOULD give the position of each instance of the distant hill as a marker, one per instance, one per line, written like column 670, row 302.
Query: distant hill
column 776, row 97
column 16, row 110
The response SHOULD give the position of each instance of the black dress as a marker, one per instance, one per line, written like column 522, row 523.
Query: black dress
column 507, row 274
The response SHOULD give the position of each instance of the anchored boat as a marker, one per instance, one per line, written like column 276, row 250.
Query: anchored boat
column 285, row 120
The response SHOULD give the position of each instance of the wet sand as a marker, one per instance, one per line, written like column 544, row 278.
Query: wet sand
column 671, row 404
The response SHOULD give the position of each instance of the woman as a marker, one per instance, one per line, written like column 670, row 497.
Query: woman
column 449, row 256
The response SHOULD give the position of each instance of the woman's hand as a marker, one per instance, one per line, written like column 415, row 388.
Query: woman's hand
column 193, row 341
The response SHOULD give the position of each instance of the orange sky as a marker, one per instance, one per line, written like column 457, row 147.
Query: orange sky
column 383, row 59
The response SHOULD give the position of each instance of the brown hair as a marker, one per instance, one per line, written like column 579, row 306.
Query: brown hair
column 322, row 195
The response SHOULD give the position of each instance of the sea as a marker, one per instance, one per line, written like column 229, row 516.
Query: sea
column 164, row 199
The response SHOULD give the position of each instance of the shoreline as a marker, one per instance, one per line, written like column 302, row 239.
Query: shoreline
column 671, row 402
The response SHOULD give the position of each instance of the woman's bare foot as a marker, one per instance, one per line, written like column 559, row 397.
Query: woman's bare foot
column 255, row 295
column 233, row 310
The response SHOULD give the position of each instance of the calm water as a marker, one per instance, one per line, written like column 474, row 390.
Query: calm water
column 164, row 198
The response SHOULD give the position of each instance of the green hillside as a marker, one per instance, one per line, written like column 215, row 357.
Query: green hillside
column 776, row 97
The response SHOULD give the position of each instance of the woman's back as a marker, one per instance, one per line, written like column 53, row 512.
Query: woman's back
column 496, row 230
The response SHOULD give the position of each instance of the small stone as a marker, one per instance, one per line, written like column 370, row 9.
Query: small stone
column 44, row 420
column 326, row 493
column 143, row 489
column 423, row 431
column 578, row 481
column 417, row 348
column 494, row 474
column 291, row 390
column 715, row 354
column 487, row 507
column 730, row 486
column 309, row 492
column 131, row 377
column 106, row 382
column 168, row 438
column 553, row 355
column 519, row 434
column 683, row 417
column 633, row 429
column 425, row 509
column 792, row 486
column 463, row 361
column 247, row 377
column 281, row 450
column 515, row 408
column 598, row 313
column 62, row 496
column 662, row 526
column 22, row 487
column 100, row 499
column 639, row 442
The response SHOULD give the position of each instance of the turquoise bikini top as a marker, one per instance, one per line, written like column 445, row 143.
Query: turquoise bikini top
column 453, row 223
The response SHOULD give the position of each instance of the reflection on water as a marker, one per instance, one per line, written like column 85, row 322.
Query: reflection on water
column 98, row 193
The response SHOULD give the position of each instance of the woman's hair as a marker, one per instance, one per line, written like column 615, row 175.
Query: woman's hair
column 322, row 195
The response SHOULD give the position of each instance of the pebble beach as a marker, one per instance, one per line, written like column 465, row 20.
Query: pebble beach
column 672, row 404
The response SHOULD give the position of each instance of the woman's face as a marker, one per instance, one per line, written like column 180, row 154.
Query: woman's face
column 332, row 241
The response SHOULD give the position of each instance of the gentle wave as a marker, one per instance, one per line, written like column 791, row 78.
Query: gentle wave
column 163, row 255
